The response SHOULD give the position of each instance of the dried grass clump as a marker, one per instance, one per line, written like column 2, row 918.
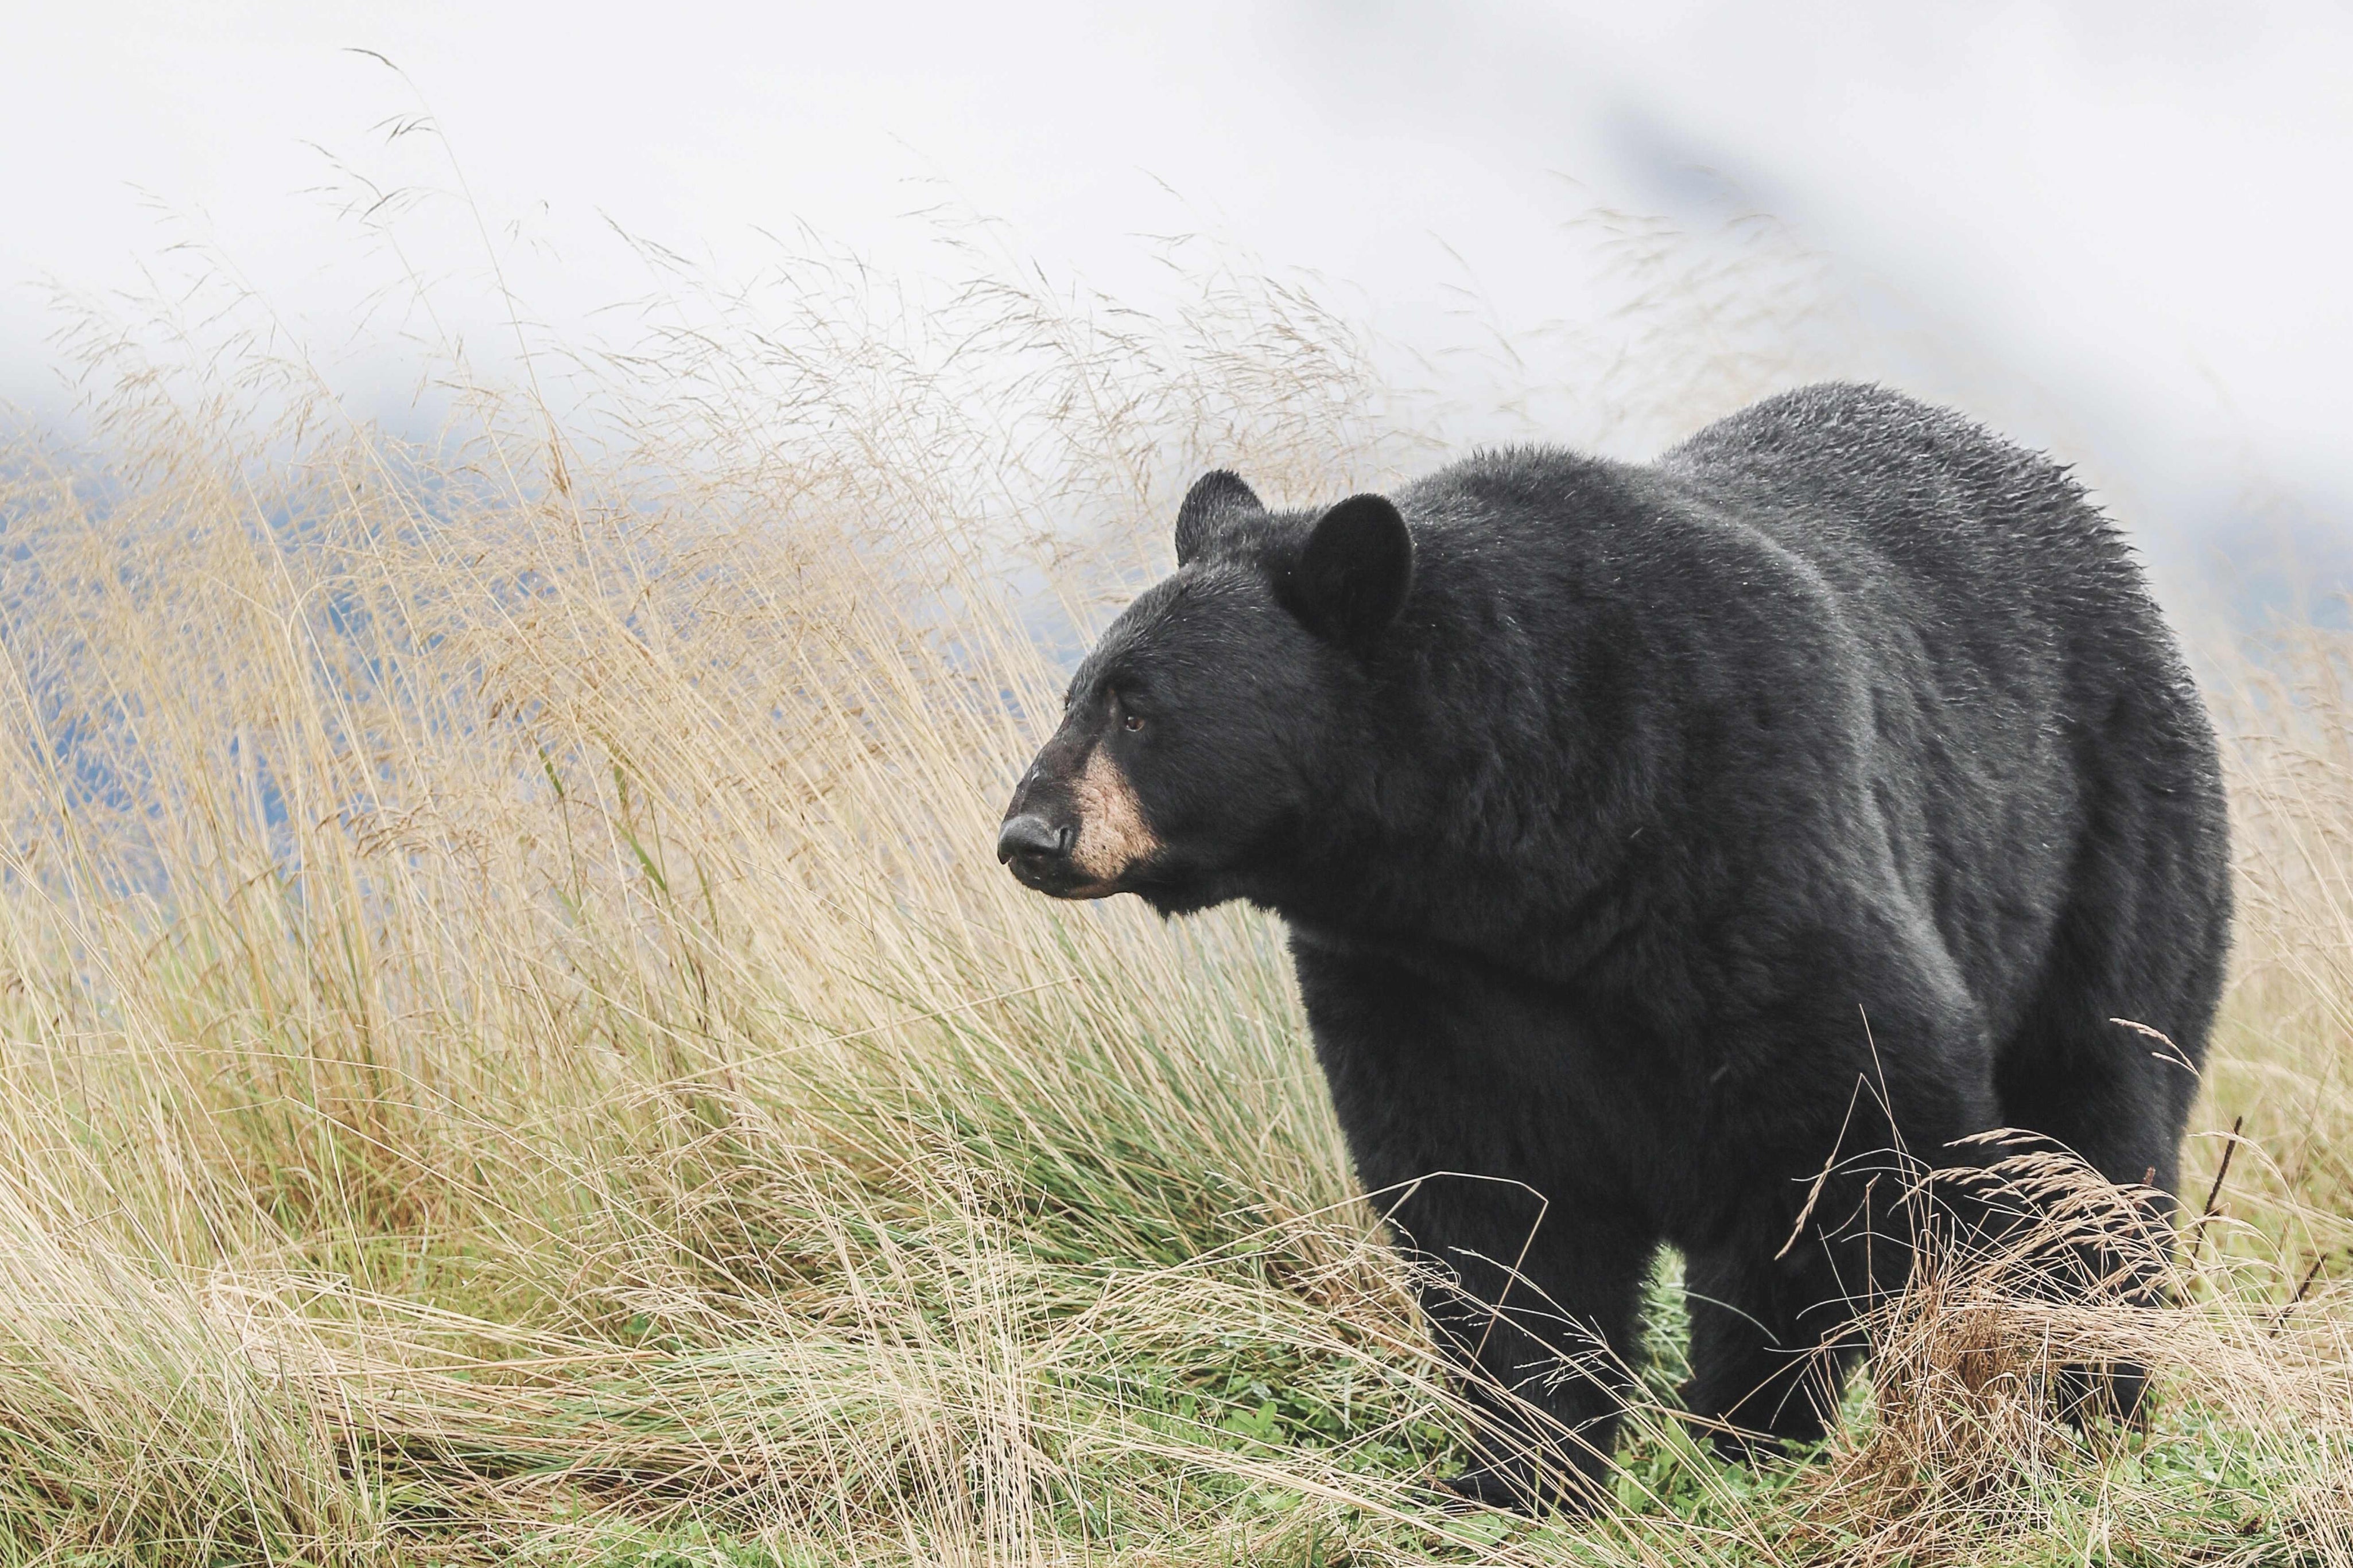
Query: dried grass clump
column 1993, row 1380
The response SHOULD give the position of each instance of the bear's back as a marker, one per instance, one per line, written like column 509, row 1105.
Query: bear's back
column 1930, row 542
column 1935, row 519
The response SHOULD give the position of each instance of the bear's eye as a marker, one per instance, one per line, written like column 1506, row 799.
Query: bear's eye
column 1132, row 722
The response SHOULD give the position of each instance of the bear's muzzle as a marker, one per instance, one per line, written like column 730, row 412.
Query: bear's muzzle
column 1075, row 837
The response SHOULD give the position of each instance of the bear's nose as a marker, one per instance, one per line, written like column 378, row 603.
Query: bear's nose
column 1030, row 834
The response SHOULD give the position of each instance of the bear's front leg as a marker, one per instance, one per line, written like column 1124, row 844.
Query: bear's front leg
column 1533, row 1272
column 1541, row 1328
column 1843, row 1116
column 1770, row 1343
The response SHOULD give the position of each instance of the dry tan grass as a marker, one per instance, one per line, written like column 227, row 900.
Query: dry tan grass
column 514, row 1044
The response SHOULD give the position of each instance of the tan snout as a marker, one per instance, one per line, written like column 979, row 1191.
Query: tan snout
column 1078, row 836
column 1113, row 835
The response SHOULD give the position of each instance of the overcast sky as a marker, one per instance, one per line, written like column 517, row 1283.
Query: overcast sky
column 2137, row 212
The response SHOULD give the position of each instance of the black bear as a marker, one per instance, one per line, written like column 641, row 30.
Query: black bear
column 1660, row 843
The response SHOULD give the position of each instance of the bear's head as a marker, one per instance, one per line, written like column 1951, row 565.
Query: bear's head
column 1198, row 736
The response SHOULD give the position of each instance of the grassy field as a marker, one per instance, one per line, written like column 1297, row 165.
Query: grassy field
column 515, row 1046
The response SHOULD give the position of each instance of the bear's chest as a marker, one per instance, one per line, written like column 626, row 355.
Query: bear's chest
column 1438, row 1067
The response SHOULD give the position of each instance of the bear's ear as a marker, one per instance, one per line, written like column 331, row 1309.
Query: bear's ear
column 1216, row 496
column 1352, row 574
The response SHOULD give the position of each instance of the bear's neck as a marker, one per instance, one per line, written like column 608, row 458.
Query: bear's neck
column 1498, row 815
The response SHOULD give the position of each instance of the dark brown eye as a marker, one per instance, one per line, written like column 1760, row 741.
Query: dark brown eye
column 1134, row 721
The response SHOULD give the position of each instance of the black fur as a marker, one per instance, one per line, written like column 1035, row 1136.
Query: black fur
column 1651, row 837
